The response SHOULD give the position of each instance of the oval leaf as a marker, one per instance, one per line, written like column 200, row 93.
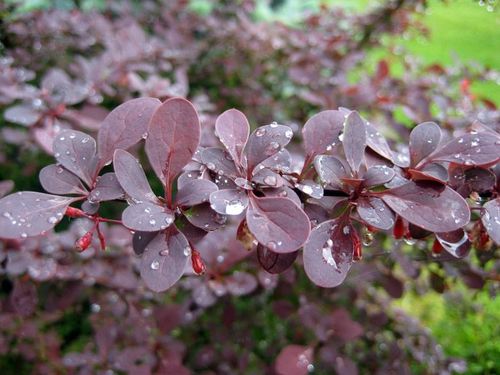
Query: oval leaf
column 377, row 142
column 76, row 151
column 374, row 212
column 195, row 192
column 164, row 260
column 174, row 134
column 277, row 223
column 28, row 213
column 107, row 188
column 424, row 139
column 58, row 180
column 354, row 140
column 219, row 161
column 378, row 175
column 330, row 170
column 147, row 217
column 203, row 217
column 456, row 243
column 229, row 201
column 328, row 252
column 233, row 129
column 429, row 205
column 265, row 142
column 491, row 219
column 132, row 178
column 275, row 263
column 470, row 149
column 321, row 132
column 124, row 126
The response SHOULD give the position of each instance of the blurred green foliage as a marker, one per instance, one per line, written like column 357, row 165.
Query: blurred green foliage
column 464, row 322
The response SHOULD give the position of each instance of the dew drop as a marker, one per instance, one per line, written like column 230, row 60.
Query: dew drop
column 271, row 245
column 289, row 134
column 155, row 265
column 52, row 220
column 234, row 207
column 270, row 180
column 152, row 221
column 260, row 132
column 410, row 241
column 187, row 251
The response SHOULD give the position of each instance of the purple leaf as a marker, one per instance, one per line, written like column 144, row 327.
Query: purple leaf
column 456, row 243
column 267, row 178
column 376, row 142
column 25, row 214
column 321, row 132
column 354, row 140
column 241, row 283
column 275, row 263
column 76, row 151
column 219, row 161
column 277, row 223
column 232, row 128
column 330, row 170
column 140, row 240
column 58, row 180
column 126, row 125
column 229, row 201
column 265, row 142
column 202, row 216
column 429, row 205
column 188, row 176
column 328, row 252
column 147, row 217
column 195, row 192
column 6, row 187
column 285, row 192
column 469, row 149
column 294, row 360
column 374, row 212
column 424, row 139
column 164, row 260
column 107, row 188
column 132, row 178
column 60, row 87
column 90, row 207
column 174, row 134
column 22, row 114
column 491, row 219
column 279, row 162
column 378, row 175
column 432, row 172
column 311, row 188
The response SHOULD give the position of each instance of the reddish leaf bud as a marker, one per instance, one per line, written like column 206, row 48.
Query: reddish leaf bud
column 84, row 242
column 399, row 228
column 356, row 244
column 197, row 262
column 437, row 248
column 74, row 212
